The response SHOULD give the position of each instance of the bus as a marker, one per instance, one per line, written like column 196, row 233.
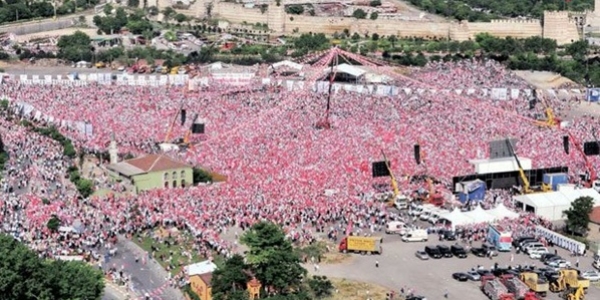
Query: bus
column 500, row 238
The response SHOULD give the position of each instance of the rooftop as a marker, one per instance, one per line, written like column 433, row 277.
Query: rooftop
column 595, row 215
column 146, row 164
column 201, row 268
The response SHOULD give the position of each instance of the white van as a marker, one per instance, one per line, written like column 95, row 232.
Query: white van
column 401, row 202
column 395, row 227
column 537, row 253
column 418, row 235
column 436, row 215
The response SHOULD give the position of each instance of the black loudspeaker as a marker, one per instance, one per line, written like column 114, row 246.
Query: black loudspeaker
column 566, row 143
column 380, row 169
column 532, row 103
column 591, row 148
column 418, row 154
column 183, row 116
column 197, row 128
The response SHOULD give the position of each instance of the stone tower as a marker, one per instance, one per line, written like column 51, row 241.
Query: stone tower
column 113, row 151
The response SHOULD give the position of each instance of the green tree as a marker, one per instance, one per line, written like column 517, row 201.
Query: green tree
column 375, row 3
column 180, row 18
column 85, row 187
column 53, row 223
column 200, row 175
column 294, row 9
column 168, row 12
column 359, row 14
column 312, row 42
column 153, row 10
column 229, row 282
column 320, row 286
column 272, row 258
column 75, row 47
column 133, row 3
column 374, row 15
column 26, row 276
column 108, row 9
column 578, row 215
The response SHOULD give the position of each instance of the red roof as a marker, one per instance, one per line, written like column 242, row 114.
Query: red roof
column 206, row 278
column 155, row 163
column 595, row 215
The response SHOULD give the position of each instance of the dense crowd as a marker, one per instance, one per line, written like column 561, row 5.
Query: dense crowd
column 279, row 165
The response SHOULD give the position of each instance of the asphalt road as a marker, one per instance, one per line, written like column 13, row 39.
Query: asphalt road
column 399, row 268
column 147, row 278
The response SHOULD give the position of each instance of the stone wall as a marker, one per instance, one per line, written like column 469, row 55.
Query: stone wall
column 39, row 26
column 559, row 26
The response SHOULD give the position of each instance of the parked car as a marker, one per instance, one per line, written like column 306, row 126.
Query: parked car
column 548, row 256
column 473, row 276
column 537, row 253
column 445, row 250
column 489, row 249
column 460, row 276
column 478, row 252
column 448, row 235
column 516, row 242
column 560, row 263
column 591, row 275
column 422, row 255
column 483, row 272
column 530, row 246
column 458, row 251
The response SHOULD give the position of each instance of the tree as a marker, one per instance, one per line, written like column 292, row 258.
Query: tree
column 359, row 14
column 75, row 47
column 375, row 3
column 180, row 18
column 28, row 277
column 320, row 286
column 108, row 9
column 272, row 258
column 168, row 12
column 53, row 223
column 311, row 42
column 229, row 282
column 578, row 215
column 85, row 187
column 295, row 9
column 133, row 3
column 153, row 10
column 200, row 175
column 374, row 15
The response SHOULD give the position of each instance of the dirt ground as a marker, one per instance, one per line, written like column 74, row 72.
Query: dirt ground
column 345, row 289
column 543, row 79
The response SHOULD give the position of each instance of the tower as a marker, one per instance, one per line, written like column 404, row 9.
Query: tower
column 113, row 151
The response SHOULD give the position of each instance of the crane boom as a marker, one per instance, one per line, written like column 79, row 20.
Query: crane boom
column 592, row 173
column 168, row 135
column 526, row 185
column 395, row 190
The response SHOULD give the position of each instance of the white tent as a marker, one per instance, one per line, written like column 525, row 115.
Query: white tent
column 478, row 215
column 551, row 205
column 456, row 217
column 501, row 212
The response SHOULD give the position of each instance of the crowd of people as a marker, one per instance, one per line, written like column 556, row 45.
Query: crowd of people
column 280, row 166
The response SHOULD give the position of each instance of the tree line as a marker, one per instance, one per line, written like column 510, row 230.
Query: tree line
column 17, row 10
column 485, row 10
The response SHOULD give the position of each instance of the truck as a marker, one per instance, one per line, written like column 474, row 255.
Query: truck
column 500, row 238
column 568, row 279
column 494, row 289
column 514, row 285
column 396, row 227
column 535, row 283
column 361, row 244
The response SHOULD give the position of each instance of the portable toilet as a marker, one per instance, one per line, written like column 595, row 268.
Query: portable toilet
column 471, row 191
column 554, row 179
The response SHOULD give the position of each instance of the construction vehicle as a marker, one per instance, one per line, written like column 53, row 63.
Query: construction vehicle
column 574, row 294
column 494, row 289
column 514, row 286
column 551, row 120
column 396, row 196
column 526, row 187
column 568, row 279
column 100, row 65
column 433, row 197
column 361, row 244
column 174, row 70
column 535, row 283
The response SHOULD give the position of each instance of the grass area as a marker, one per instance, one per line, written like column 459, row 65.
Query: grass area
column 102, row 192
column 183, row 242
column 356, row 290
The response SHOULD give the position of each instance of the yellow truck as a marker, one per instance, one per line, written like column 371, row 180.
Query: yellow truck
column 569, row 279
column 536, row 284
column 361, row 244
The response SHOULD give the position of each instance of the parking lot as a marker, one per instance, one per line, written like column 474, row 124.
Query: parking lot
column 400, row 268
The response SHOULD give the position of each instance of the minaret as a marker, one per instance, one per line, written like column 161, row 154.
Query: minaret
column 113, row 151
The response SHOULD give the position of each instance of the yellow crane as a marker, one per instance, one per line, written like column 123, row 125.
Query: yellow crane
column 551, row 120
column 526, row 185
column 395, row 191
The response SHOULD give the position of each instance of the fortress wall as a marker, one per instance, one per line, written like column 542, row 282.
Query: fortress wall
column 558, row 26
column 330, row 25
column 236, row 13
column 505, row 28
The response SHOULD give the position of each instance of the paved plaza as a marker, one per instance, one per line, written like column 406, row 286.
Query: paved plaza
column 398, row 268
